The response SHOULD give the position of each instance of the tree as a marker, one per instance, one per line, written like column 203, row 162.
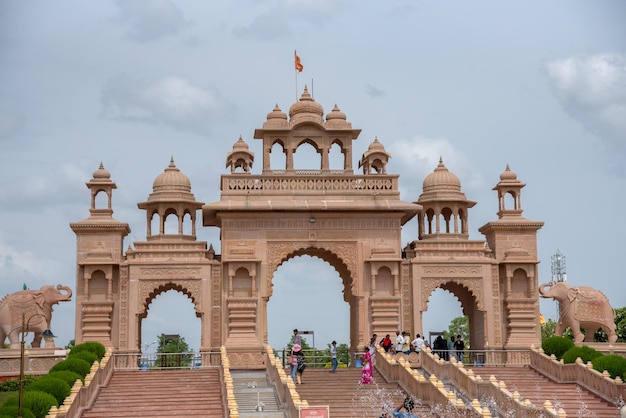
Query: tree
column 173, row 351
column 459, row 326
column 620, row 322
column 547, row 329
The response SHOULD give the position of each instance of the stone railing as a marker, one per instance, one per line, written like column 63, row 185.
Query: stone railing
column 360, row 184
column 284, row 385
column 231, row 403
column 81, row 396
column 474, row 387
column 430, row 390
column 37, row 361
column 601, row 384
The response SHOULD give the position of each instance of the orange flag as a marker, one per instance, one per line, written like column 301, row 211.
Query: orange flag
column 299, row 66
column 542, row 320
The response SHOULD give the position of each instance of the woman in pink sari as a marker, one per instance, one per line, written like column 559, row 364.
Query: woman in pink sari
column 367, row 372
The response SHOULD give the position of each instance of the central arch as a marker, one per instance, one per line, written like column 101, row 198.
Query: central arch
column 326, row 255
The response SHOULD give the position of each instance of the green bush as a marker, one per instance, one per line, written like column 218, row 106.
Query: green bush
column 68, row 376
column 56, row 387
column 88, row 356
column 13, row 385
column 39, row 403
column 557, row 346
column 612, row 363
column 12, row 412
column 585, row 353
column 93, row 347
column 74, row 364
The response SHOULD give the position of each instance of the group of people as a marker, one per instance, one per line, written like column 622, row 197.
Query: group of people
column 402, row 344
column 447, row 350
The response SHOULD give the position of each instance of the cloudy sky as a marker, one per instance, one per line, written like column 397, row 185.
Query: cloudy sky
column 538, row 85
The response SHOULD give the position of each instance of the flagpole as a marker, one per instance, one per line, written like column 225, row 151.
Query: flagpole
column 295, row 54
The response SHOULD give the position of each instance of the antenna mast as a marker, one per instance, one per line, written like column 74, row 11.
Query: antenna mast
column 558, row 268
column 558, row 274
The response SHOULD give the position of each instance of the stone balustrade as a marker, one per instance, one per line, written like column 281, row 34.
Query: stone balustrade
column 611, row 390
column 309, row 182
column 285, row 387
column 81, row 396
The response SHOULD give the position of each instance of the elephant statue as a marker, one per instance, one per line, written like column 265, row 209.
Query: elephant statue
column 581, row 307
column 31, row 308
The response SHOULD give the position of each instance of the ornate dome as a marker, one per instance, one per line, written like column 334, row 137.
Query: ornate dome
column 508, row 175
column 101, row 173
column 441, row 179
column 277, row 114
column 276, row 119
column 335, row 114
column 171, row 179
column 306, row 109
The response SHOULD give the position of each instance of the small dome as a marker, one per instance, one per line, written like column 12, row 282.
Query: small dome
column 336, row 114
column 240, row 145
column 306, row 109
column 376, row 146
column 171, row 179
column 507, row 174
column 277, row 114
column 441, row 179
column 101, row 173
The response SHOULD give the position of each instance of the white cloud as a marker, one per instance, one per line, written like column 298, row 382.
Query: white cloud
column 172, row 100
column 25, row 263
column 149, row 20
column 417, row 157
column 592, row 89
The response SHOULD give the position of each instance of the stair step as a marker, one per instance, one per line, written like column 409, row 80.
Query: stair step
column 162, row 393
column 532, row 385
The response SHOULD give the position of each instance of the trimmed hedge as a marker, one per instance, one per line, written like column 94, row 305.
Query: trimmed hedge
column 557, row 346
column 13, row 410
column 88, row 356
column 68, row 376
column 93, row 347
column 612, row 363
column 74, row 364
column 585, row 353
column 56, row 387
column 39, row 403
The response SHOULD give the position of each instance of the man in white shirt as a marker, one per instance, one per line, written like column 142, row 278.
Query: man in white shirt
column 417, row 343
column 399, row 342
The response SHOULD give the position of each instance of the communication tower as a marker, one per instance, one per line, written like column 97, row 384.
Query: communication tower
column 558, row 268
column 558, row 274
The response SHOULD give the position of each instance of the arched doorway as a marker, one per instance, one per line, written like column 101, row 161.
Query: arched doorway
column 308, row 295
column 162, row 319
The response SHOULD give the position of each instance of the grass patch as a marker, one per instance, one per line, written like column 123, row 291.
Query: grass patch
column 5, row 395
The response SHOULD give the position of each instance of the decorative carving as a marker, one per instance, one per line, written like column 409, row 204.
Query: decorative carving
column 170, row 272
column 123, row 323
column 346, row 252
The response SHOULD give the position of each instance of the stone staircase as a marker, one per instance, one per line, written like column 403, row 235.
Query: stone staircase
column 250, row 389
column 532, row 385
column 347, row 398
column 160, row 394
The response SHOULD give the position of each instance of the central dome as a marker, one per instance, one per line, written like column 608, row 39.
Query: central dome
column 306, row 109
column 171, row 179
column 441, row 179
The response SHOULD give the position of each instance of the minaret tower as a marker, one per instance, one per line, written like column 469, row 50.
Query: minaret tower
column 100, row 241
column 513, row 240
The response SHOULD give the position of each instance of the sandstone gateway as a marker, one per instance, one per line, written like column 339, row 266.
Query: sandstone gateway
column 352, row 221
